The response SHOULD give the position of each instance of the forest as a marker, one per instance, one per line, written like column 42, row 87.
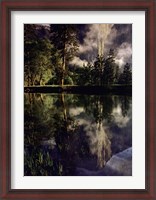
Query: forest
column 77, row 101
column 48, row 54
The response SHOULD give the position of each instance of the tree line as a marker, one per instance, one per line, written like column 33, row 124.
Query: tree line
column 48, row 51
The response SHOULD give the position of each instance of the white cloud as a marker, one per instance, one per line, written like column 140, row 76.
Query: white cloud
column 119, row 62
column 96, row 38
column 124, row 53
column 98, row 140
column 76, row 111
column 78, row 62
column 99, row 39
column 119, row 119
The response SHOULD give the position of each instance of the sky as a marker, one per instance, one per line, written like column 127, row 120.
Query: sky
column 97, row 39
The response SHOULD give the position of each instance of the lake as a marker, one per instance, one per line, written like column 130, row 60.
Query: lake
column 72, row 134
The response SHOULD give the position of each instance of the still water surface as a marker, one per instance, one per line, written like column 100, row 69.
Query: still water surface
column 67, row 132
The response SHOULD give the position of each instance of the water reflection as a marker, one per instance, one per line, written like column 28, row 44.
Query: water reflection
column 103, row 147
column 65, row 132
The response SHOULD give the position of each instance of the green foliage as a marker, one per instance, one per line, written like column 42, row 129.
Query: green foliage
column 110, row 71
column 86, row 76
column 47, row 56
column 104, row 71
column 37, row 55
column 49, row 117
column 126, row 76
column 97, row 71
column 110, row 74
column 65, row 42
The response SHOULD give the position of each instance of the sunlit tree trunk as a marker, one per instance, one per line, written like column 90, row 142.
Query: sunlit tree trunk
column 29, row 78
column 40, row 80
column 63, row 70
column 64, row 106
column 63, row 63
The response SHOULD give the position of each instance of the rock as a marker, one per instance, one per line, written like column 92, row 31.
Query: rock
column 119, row 165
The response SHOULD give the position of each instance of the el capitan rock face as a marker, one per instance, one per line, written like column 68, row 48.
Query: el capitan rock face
column 119, row 165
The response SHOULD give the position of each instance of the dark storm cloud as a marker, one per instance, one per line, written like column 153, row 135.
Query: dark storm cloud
column 89, row 47
column 96, row 38
column 121, row 33
column 82, row 29
column 120, row 39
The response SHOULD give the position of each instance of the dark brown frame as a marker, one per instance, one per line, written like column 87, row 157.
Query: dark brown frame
column 149, row 6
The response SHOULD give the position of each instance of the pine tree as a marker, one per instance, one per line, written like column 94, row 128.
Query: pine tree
column 111, row 69
column 37, row 54
column 97, row 72
column 126, row 76
column 64, row 38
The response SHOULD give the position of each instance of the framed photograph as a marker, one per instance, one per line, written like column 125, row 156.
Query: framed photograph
column 77, row 99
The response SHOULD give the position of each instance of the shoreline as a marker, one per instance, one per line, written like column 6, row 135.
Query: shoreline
column 106, row 89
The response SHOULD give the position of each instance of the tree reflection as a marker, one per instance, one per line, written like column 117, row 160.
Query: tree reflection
column 103, row 145
column 56, row 143
column 64, row 131
column 125, row 103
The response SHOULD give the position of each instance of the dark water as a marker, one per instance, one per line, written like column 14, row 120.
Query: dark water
column 66, row 132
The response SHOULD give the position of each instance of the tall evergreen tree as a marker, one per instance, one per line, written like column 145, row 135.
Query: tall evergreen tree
column 97, row 73
column 37, row 54
column 64, row 38
column 111, row 69
column 126, row 76
column 30, row 38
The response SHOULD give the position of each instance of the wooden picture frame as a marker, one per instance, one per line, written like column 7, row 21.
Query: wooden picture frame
column 149, row 6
